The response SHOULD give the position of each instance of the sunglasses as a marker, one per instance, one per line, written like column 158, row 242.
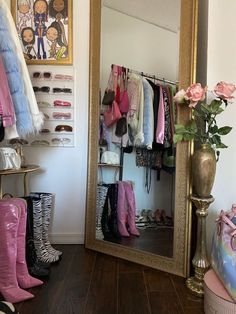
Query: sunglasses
column 57, row 140
column 62, row 90
column 63, row 128
column 61, row 103
column 61, row 115
column 46, row 75
column 44, row 89
column 63, row 77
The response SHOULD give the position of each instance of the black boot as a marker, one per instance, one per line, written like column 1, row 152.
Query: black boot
column 105, row 219
column 113, row 196
column 35, row 267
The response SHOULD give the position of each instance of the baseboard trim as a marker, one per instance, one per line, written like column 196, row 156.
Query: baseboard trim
column 66, row 238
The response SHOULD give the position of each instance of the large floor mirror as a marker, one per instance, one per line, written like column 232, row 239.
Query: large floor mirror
column 152, row 43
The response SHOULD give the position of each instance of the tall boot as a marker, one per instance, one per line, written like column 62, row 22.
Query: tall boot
column 130, row 198
column 100, row 201
column 48, row 203
column 24, row 279
column 9, row 222
column 121, row 210
column 112, row 223
column 36, row 268
column 41, row 251
column 105, row 219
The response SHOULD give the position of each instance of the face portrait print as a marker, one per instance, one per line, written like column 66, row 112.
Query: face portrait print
column 28, row 40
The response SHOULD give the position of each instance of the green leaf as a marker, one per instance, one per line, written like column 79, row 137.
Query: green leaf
column 216, row 139
column 188, row 137
column 213, row 129
column 221, row 145
column 177, row 138
column 214, row 106
column 224, row 130
column 219, row 111
column 179, row 128
column 192, row 126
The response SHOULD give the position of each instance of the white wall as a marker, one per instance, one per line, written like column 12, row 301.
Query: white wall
column 138, row 45
column 64, row 170
column 222, row 66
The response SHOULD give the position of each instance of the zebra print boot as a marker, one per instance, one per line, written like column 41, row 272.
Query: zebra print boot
column 41, row 251
column 48, row 203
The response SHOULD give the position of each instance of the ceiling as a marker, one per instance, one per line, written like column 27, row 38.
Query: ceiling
column 162, row 13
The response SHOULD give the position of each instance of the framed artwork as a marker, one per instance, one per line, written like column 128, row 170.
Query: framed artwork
column 45, row 30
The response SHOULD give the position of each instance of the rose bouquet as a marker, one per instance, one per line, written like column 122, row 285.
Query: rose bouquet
column 207, row 130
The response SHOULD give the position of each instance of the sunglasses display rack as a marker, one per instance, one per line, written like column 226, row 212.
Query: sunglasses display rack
column 54, row 91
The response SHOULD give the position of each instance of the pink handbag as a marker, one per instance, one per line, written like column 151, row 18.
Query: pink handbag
column 112, row 114
column 124, row 98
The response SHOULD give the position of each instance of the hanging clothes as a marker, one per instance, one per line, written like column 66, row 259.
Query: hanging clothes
column 29, row 118
column 161, row 119
column 148, row 115
column 6, row 104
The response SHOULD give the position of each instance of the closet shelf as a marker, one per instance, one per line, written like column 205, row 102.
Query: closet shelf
column 109, row 165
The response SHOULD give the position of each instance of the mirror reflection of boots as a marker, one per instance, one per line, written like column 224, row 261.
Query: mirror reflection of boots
column 113, row 197
column 130, row 199
column 105, row 220
column 121, row 210
column 158, row 216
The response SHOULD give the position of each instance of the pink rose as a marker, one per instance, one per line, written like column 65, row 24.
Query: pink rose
column 194, row 94
column 224, row 90
column 180, row 96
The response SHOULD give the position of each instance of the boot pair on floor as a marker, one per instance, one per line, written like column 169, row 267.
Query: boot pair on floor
column 14, row 275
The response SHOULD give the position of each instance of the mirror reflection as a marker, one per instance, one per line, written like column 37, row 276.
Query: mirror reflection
column 136, row 156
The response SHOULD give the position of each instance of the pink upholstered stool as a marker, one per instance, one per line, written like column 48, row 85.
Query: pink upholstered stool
column 216, row 298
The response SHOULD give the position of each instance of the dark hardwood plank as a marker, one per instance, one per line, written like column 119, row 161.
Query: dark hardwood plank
column 102, row 296
column 165, row 303
column 187, row 299
column 158, row 281
column 132, row 296
column 77, row 282
column 125, row 265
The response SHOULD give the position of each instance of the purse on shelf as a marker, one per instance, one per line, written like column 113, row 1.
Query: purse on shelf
column 112, row 114
column 223, row 252
column 110, row 158
column 9, row 158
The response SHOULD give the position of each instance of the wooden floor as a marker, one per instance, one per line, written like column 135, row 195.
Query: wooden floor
column 93, row 283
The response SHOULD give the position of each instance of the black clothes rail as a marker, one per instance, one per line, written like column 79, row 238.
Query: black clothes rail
column 154, row 77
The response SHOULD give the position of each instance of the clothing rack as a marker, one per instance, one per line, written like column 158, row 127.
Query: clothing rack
column 154, row 77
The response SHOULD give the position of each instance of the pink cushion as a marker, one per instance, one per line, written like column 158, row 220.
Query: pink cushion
column 215, row 285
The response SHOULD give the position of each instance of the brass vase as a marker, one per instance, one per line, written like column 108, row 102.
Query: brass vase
column 203, row 169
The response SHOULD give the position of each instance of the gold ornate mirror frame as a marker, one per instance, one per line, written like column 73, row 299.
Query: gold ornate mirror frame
column 179, row 263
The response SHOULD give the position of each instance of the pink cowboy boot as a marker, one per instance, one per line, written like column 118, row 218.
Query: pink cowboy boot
column 24, row 279
column 130, row 197
column 9, row 222
column 121, row 210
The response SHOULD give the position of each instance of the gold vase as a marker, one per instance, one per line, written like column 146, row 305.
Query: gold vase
column 203, row 169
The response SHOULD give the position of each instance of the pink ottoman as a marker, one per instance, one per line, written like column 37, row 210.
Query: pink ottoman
column 216, row 298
